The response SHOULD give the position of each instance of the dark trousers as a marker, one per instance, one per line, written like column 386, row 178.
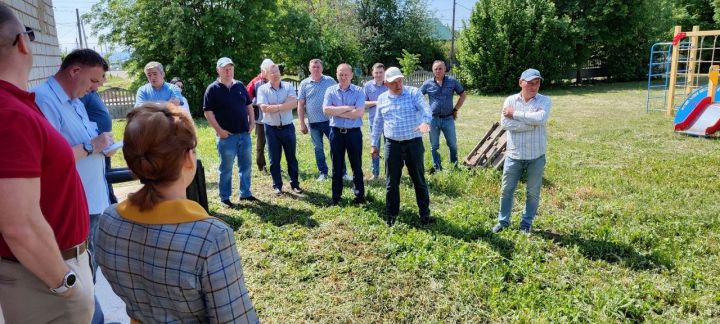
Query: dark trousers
column 409, row 153
column 346, row 140
column 281, row 139
column 260, row 146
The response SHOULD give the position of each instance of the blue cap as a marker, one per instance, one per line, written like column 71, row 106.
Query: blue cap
column 530, row 74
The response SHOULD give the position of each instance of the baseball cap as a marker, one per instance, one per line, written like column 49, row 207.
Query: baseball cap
column 266, row 63
column 393, row 73
column 224, row 61
column 530, row 74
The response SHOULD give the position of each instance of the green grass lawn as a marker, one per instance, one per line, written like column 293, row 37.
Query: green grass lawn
column 627, row 229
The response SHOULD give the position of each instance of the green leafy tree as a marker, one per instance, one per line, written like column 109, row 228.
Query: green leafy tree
column 387, row 26
column 409, row 62
column 505, row 37
column 186, row 36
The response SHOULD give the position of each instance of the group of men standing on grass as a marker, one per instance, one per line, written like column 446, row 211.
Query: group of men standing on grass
column 52, row 154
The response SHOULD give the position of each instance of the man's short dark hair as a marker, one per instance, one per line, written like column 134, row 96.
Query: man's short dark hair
column 85, row 57
column 378, row 66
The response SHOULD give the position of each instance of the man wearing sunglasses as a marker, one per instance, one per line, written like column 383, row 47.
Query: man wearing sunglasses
column 43, row 214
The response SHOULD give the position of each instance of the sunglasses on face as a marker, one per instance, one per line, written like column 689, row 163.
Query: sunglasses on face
column 29, row 31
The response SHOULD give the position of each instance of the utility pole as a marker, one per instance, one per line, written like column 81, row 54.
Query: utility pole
column 82, row 25
column 452, row 42
column 77, row 14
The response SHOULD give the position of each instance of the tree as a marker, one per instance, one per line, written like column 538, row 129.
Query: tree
column 409, row 62
column 505, row 37
column 388, row 26
column 187, row 37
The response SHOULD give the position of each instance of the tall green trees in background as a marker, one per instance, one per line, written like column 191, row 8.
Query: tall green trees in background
column 189, row 36
column 558, row 36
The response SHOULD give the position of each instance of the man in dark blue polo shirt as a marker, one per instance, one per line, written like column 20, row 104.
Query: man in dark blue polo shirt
column 228, row 109
column 440, row 90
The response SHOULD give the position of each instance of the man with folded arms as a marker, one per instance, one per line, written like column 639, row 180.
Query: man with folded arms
column 277, row 101
column 345, row 104
column 43, row 214
column 402, row 117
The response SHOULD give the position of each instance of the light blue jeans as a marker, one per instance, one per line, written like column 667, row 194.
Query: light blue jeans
column 375, row 161
column 235, row 145
column 317, row 130
column 512, row 171
column 445, row 125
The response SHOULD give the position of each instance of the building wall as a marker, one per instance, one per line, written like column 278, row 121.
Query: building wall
column 38, row 14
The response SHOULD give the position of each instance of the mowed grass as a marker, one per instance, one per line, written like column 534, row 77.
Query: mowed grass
column 627, row 229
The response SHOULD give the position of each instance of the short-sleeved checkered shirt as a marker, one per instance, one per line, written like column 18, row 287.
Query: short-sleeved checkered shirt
column 313, row 93
column 187, row 272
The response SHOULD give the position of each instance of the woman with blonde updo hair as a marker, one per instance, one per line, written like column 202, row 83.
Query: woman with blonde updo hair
column 166, row 258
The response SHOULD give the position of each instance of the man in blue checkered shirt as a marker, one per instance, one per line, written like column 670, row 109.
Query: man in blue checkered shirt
column 402, row 117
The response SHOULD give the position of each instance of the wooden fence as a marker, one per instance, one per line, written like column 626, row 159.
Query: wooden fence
column 118, row 101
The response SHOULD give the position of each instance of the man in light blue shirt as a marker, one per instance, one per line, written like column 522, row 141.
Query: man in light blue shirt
column 310, row 104
column 524, row 117
column 157, row 89
column 402, row 117
column 277, row 101
column 58, row 98
column 373, row 89
column 440, row 90
column 345, row 104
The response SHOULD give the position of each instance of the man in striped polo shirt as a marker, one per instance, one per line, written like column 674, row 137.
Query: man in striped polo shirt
column 524, row 117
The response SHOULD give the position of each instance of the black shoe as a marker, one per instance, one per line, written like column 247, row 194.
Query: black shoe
column 277, row 191
column 297, row 190
column 333, row 202
column 359, row 200
column 228, row 203
column 432, row 171
column 249, row 198
column 427, row 220
column 390, row 220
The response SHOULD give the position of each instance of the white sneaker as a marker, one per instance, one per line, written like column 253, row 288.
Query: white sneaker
column 348, row 177
column 322, row 177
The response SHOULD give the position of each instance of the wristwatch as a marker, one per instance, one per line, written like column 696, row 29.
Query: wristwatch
column 89, row 148
column 68, row 282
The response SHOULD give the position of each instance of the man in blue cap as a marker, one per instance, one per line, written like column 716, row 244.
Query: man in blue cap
column 524, row 117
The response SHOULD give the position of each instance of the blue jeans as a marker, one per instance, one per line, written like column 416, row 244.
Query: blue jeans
column 349, row 141
column 445, row 125
column 374, row 161
column 235, row 145
column 512, row 171
column 279, row 140
column 411, row 154
column 317, row 130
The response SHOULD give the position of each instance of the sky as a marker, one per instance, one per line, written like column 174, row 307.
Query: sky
column 66, row 23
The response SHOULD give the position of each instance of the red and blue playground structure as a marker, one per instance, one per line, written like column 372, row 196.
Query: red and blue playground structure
column 699, row 114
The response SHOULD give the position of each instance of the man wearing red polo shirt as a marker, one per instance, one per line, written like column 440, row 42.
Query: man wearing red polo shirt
column 44, row 268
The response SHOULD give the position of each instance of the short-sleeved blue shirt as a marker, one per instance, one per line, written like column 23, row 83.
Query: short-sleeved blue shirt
column 267, row 95
column 372, row 91
column 313, row 93
column 441, row 97
column 167, row 92
column 352, row 96
column 229, row 105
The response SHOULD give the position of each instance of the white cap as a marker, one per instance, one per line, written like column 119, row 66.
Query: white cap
column 393, row 73
column 224, row 61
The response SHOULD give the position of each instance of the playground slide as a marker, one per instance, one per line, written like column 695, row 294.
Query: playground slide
column 697, row 115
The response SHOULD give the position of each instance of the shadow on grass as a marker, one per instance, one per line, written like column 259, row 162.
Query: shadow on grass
column 280, row 215
column 608, row 251
column 504, row 247
column 312, row 197
column 234, row 222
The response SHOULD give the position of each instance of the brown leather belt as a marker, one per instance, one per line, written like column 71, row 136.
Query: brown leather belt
column 68, row 254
